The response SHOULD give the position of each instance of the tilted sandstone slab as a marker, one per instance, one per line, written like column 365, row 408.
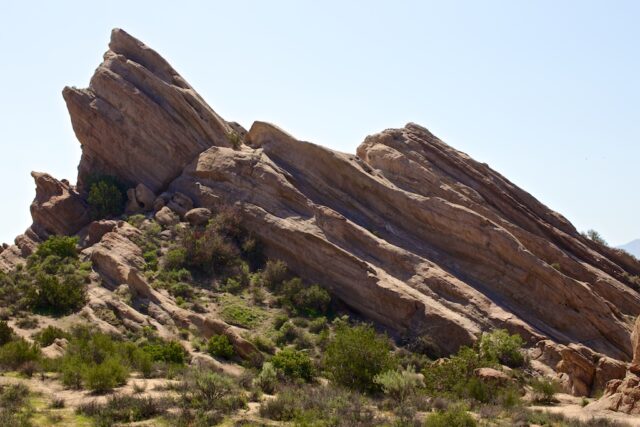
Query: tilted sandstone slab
column 410, row 232
column 412, row 260
column 139, row 119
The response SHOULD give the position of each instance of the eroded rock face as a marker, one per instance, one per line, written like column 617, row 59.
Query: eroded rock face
column 410, row 232
column 446, row 257
column 139, row 119
column 57, row 208
column 624, row 394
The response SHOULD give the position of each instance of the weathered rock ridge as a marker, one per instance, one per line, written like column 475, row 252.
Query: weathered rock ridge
column 409, row 232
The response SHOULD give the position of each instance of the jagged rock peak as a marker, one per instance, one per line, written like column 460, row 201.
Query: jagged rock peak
column 139, row 120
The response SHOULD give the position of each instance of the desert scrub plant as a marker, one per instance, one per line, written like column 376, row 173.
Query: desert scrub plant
column 220, row 346
column 6, row 333
column 356, row 354
column 398, row 384
column 48, row 335
column 18, row 352
column 267, row 379
column 53, row 280
column 106, row 196
column 455, row 416
column 59, row 246
column 123, row 409
column 234, row 139
column 236, row 312
column 293, row 364
column 274, row 273
column 543, row 390
column 15, row 409
column 306, row 300
column 501, row 347
column 320, row 406
column 202, row 389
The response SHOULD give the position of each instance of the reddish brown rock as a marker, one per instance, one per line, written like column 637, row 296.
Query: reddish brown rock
column 57, row 208
column 139, row 119
column 409, row 232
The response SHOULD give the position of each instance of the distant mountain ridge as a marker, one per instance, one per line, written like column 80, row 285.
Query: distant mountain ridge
column 632, row 247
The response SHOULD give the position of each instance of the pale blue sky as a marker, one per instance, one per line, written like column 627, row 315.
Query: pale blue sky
column 546, row 92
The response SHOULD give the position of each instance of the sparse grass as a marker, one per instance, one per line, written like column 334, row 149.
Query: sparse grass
column 236, row 311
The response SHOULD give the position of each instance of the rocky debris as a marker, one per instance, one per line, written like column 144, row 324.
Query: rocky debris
column 56, row 349
column 97, row 229
column 491, row 375
column 180, row 204
column 165, row 216
column 139, row 119
column 623, row 394
column 57, row 208
column 578, row 369
column 119, row 261
column 198, row 216
column 139, row 199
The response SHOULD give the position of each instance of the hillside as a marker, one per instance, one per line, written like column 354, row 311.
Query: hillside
column 632, row 247
column 194, row 232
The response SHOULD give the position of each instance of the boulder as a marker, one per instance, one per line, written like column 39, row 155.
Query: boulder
column 490, row 375
column 145, row 197
column 198, row 216
column 57, row 207
column 180, row 204
column 167, row 217
column 56, row 349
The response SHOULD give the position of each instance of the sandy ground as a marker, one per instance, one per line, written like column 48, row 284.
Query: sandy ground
column 570, row 407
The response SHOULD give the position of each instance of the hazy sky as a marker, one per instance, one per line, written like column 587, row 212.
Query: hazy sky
column 546, row 92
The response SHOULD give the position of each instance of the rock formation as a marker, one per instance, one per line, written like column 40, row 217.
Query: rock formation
column 409, row 232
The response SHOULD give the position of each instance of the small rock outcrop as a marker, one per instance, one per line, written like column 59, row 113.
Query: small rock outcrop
column 623, row 395
column 57, row 208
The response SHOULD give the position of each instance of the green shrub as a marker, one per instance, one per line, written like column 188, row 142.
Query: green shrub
column 311, row 300
column 57, row 296
column 18, row 352
column 267, row 379
column 175, row 258
column 59, row 246
column 453, row 417
column 220, row 346
column 123, row 409
column 319, row 406
column 451, row 376
column 48, row 335
column 208, row 390
column 274, row 273
column 400, row 385
column 208, row 249
column 356, row 355
column 234, row 139
column 596, row 237
column 151, row 259
column 544, row 390
column 294, row 364
column 501, row 347
column 6, row 333
column 236, row 312
column 106, row 197
column 169, row 352
column 105, row 376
